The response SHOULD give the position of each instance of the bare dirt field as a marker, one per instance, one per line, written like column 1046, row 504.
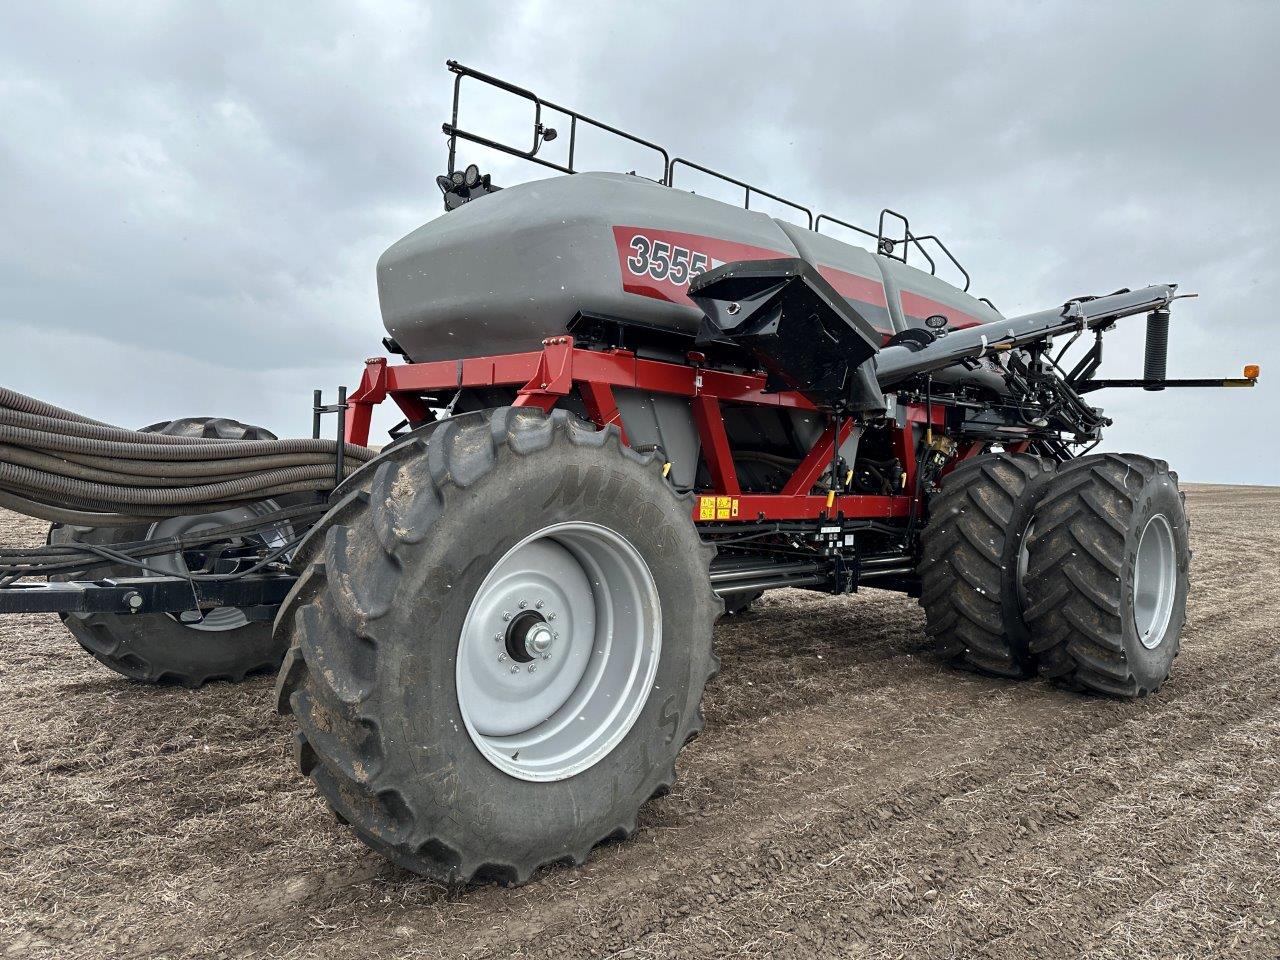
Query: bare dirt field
column 850, row 797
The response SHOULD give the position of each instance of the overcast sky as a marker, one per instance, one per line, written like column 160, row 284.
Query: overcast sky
column 193, row 196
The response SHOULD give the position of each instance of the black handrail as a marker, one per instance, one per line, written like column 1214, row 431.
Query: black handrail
column 540, row 130
column 950, row 256
column 888, row 245
column 817, row 225
column 748, row 188
column 894, row 247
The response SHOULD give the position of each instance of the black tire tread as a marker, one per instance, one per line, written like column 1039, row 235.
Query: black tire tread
column 962, row 564
column 345, row 765
column 210, row 428
column 1076, row 557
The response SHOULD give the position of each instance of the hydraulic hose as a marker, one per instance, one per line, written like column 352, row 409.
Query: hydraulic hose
column 164, row 475
column 145, row 449
column 56, row 514
column 33, row 421
column 60, row 466
column 72, row 555
column 21, row 402
column 258, row 485
column 197, row 468
column 148, row 514
column 206, row 450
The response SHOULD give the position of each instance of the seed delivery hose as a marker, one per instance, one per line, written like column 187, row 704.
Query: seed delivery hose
column 60, row 466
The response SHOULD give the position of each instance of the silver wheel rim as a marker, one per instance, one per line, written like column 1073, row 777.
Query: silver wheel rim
column 559, row 651
column 218, row 619
column 1024, row 564
column 1154, row 581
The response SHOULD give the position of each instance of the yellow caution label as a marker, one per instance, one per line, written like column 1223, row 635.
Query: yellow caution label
column 717, row 508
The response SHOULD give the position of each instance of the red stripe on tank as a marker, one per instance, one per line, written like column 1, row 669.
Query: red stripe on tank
column 717, row 251
column 632, row 255
column 853, row 286
column 917, row 307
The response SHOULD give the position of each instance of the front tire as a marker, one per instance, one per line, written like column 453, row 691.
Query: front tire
column 1107, row 575
column 408, row 682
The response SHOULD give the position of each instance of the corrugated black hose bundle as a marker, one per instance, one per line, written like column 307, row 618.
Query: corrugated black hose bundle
column 60, row 466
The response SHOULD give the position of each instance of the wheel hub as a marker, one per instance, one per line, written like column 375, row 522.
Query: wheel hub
column 184, row 563
column 529, row 637
column 538, row 643
column 558, row 651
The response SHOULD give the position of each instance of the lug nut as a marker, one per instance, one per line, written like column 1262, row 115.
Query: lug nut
column 515, row 669
column 533, row 667
column 506, row 616
column 523, row 604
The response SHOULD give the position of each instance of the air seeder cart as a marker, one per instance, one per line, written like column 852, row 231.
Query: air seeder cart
column 627, row 410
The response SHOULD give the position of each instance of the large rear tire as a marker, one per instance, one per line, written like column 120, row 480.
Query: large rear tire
column 499, row 645
column 970, row 563
column 1107, row 574
column 158, row 647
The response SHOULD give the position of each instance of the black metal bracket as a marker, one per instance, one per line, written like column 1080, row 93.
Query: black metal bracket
column 1090, row 385
column 258, row 596
column 318, row 410
column 1088, row 365
column 801, row 329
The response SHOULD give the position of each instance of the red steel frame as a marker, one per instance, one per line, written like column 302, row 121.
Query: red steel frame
column 544, row 377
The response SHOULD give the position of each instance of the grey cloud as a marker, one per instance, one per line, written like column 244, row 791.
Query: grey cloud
column 193, row 196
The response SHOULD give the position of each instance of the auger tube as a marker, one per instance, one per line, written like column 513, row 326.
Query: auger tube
column 896, row 363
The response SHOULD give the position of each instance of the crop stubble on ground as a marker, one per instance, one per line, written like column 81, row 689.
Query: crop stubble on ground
column 849, row 797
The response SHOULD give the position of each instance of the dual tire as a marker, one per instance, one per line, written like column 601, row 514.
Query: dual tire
column 1077, row 572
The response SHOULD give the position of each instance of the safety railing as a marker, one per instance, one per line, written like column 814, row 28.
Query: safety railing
column 542, row 134
column 748, row 188
column 896, row 247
